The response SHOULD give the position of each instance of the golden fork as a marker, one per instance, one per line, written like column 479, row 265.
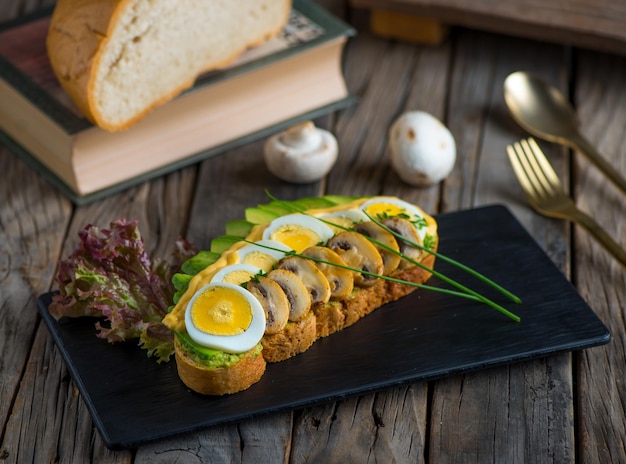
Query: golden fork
column 546, row 194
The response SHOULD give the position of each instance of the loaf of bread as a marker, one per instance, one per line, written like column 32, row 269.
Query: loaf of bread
column 119, row 59
column 305, row 275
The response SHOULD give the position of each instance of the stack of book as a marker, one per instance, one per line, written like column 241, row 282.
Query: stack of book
column 296, row 76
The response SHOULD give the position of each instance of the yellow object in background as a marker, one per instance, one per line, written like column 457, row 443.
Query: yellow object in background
column 406, row 26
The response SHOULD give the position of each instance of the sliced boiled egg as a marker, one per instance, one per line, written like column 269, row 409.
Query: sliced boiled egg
column 236, row 273
column 225, row 317
column 263, row 254
column 298, row 231
column 341, row 220
column 381, row 208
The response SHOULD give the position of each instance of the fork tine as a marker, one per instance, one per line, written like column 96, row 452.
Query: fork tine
column 533, row 169
column 520, row 172
column 544, row 165
column 536, row 185
column 545, row 194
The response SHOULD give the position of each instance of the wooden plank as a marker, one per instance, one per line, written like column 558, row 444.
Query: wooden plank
column 585, row 23
column 378, row 73
column 66, row 429
column 262, row 440
column 230, row 183
column 30, row 220
column 600, row 96
column 31, row 214
column 523, row 412
column 385, row 427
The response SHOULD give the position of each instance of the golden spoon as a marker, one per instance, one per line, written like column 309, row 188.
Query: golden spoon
column 543, row 111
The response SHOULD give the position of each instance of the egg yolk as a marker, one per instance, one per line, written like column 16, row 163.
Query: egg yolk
column 296, row 237
column 383, row 210
column 221, row 311
column 259, row 259
column 237, row 277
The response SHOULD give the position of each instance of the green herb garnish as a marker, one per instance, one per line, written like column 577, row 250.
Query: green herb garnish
column 427, row 247
column 462, row 266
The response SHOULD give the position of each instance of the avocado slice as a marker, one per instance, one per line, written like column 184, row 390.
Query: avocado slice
column 239, row 227
column 260, row 216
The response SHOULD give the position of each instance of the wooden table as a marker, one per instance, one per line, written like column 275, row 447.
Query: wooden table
column 563, row 408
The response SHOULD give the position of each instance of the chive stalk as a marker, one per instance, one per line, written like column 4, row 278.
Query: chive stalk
column 448, row 260
column 371, row 274
column 465, row 293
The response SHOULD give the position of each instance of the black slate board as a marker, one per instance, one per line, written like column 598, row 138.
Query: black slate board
column 424, row 336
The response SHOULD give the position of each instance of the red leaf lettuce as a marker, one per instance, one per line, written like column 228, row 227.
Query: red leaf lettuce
column 111, row 276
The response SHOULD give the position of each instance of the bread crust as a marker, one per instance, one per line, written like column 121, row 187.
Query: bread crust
column 332, row 318
column 415, row 274
column 329, row 318
column 80, row 31
column 221, row 380
column 295, row 338
column 337, row 315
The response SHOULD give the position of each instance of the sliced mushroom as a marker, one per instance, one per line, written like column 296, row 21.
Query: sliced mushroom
column 295, row 291
column 358, row 253
column 407, row 230
column 391, row 260
column 311, row 276
column 341, row 280
column 273, row 300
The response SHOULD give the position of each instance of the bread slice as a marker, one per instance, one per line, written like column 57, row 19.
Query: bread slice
column 394, row 291
column 335, row 316
column 218, row 380
column 295, row 338
column 118, row 59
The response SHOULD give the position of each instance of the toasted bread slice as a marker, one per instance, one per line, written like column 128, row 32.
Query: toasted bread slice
column 295, row 338
column 219, row 380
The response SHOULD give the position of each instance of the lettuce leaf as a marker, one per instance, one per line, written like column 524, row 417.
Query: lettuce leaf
column 110, row 275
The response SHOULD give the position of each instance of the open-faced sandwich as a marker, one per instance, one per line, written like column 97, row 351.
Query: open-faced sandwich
column 290, row 273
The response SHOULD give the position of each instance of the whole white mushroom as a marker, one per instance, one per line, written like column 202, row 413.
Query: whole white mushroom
column 301, row 154
column 421, row 148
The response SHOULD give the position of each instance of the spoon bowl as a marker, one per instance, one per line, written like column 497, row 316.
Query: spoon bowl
column 539, row 107
column 544, row 111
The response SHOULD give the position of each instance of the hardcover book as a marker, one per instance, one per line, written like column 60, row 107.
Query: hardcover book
column 296, row 76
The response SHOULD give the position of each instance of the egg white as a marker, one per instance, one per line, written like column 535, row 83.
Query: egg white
column 239, row 343
column 410, row 209
column 223, row 274
column 298, row 220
